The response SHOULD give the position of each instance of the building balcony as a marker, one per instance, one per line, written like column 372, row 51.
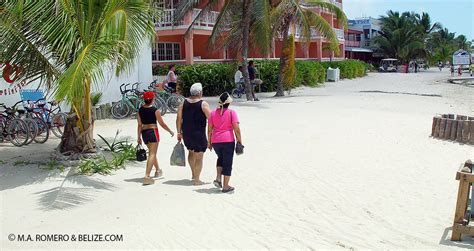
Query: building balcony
column 206, row 21
column 316, row 35
column 351, row 43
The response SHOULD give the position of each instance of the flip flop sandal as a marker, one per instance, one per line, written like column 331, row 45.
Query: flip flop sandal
column 230, row 189
column 218, row 184
column 158, row 174
column 148, row 181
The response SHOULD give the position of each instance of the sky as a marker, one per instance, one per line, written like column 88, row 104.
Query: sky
column 456, row 15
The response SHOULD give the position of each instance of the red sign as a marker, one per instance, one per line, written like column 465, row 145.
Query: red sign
column 10, row 74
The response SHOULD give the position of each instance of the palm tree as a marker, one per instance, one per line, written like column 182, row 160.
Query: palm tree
column 69, row 44
column 240, row 24
column 401, row 36
column 299, row 13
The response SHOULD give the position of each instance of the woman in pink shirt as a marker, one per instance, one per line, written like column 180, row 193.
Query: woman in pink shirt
column 223, row 125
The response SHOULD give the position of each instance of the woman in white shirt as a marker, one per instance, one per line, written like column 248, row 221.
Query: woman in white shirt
column 238, row 77
column 171, row 79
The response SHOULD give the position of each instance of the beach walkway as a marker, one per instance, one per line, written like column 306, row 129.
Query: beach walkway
column 347, row 165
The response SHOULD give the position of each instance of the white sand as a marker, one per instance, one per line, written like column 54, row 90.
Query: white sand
column 326, row 168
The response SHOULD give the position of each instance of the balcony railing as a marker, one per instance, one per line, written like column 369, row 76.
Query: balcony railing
column 338, row 4
column 339, row 33
column 206, row 21
column 315, row 34
column 350, row 43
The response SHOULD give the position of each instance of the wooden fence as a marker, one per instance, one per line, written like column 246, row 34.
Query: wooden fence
column 459, row 128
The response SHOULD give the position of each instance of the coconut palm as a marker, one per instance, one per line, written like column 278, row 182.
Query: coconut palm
column 286, row 13
column 401, row 37
column 69, row 45
column 241, row 24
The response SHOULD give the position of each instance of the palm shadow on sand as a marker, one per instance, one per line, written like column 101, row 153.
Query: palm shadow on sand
column 64, row 196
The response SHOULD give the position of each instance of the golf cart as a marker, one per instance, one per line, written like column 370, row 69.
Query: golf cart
column 388, row 65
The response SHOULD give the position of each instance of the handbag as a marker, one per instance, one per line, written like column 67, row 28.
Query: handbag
column 239, row 149
column 141, row 153
column 178, row 157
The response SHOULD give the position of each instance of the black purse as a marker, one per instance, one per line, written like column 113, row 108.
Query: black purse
column 141, row 153
column 239, row 149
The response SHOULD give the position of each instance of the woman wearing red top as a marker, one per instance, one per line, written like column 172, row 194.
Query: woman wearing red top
column 223, row 125
column 148, row 130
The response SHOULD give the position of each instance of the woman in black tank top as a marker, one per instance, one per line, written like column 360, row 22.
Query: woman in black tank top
column 191, row 125
column 147, row 118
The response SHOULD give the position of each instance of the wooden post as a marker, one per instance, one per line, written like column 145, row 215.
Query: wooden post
column 447, row 131
column 445, row 116
column 438, row 123
column 450, row 116
column 459, row 131
column 465, row 131
column 454, row 129
column 461, row 205
column 461, row 117
column 433, row 126
column 442, row 127
column 471, row 132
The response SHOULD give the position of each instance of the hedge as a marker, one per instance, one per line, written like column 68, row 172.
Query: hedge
column 218, row 78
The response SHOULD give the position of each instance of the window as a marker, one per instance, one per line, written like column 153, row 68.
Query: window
column 166, row 52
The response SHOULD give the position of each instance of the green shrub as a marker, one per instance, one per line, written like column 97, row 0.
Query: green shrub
column 219, row 78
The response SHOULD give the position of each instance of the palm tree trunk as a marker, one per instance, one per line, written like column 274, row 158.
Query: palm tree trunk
column 245, row 47
column 78, row 136
column 280, row 91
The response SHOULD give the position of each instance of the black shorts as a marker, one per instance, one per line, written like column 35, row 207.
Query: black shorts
column 150, row 135
column 196, row 142
column 225, row 156
column 172, row 86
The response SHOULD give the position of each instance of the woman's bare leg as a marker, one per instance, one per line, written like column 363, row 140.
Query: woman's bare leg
column 152, row 148
column 219, row 173
column 226, row 182
column 158, row 171
column 192, row 163
column 198, row 158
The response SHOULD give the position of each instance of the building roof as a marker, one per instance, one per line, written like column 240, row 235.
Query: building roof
column 352, row 31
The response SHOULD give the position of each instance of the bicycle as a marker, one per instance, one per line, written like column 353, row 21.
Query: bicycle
column 173, row 100
column 13, row 129
column 54, row 119
column 32, row 125
column 238, row 91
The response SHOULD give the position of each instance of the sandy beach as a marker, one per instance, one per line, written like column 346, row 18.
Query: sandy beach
column 350, row 165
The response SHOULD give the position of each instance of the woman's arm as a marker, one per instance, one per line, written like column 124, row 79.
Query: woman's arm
column 179, row 122
column 237, row 133
column 206, row 109
column 209, row 135
column 139, row 130
column 162, row 123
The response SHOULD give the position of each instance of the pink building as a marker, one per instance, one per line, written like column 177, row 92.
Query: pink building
column 173, row 47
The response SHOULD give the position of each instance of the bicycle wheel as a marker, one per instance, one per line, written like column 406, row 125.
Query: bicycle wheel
column 236, row 93
column 32, row 129
column 58, row 122
column 160, row 104
column 17, row 132
column 43, row 131
column 120, row 110
column 174, row 101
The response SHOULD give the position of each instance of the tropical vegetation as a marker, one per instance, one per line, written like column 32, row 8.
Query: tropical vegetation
column 245, row 24
column 69, row 46
column 218, row 78
column 411, row 36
